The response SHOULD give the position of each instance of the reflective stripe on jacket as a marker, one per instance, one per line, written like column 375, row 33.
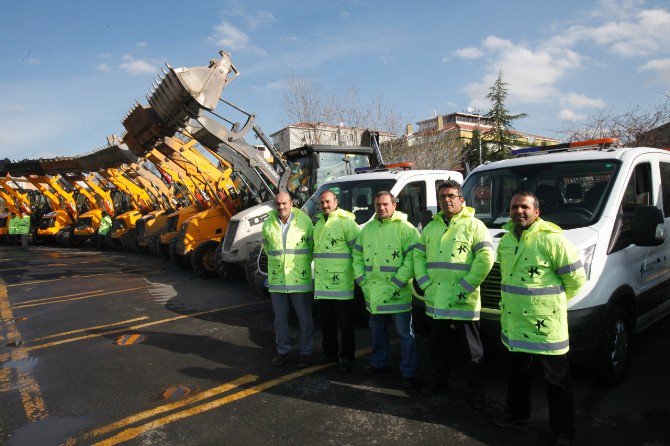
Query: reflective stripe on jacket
column 383, row 263
column 105, row 225
column 540, row 272
column 333, row 261
column 451, row 262
column 289, row 266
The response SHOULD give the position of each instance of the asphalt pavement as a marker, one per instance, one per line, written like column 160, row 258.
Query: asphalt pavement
column 112, row 347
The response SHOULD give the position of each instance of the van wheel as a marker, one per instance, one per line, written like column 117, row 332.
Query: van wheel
column 203, row 259
column 612, row 358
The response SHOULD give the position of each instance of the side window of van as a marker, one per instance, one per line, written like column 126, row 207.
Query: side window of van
column 637, row 193
column 665, row 187
column 412, row 200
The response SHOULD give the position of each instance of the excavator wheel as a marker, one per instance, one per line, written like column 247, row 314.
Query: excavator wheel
column 74, row 240
column 63, row 238
column 218, row 262
column 227, row 271
column 98, row 241
column 155, row 245
column 113, row 243
column 181, row 262
column 203, row 259
column 128, row 241
column 253, row 274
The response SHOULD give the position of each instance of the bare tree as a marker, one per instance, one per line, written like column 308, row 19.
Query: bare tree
column 438, row 151
column 306, row 100
column 632, row 128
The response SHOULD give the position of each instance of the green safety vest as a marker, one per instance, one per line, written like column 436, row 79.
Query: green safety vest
column 383, row 263
column 451, row 262
column 105, row 225
column 11, row 226
column 540, row 272
column 333, row 242
column 23, row 225
column 289, row 265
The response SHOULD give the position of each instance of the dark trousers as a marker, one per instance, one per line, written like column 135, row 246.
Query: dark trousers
column 559, row 389
column 470, row 343
column 333, row 313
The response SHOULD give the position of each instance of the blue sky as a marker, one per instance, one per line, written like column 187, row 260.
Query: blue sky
column 70, row 70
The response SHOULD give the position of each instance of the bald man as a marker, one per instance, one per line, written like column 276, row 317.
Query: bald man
column 288, row 243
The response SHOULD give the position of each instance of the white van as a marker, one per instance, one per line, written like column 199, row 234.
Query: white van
column 614, row 206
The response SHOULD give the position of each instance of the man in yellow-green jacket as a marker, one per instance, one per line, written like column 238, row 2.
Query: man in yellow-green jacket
column 453, row 258
column 335, row 232
column 383, row 268
column 287, row 241
column 540, row 272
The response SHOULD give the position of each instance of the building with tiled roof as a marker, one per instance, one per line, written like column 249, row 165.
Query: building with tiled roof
column 310, row 133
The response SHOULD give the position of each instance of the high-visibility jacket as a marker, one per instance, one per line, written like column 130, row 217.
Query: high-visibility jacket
column 334, row 239
column 383, row 263
column 540, row 272
column 11, row 226
column 23, row 225
column 451, row 262
column 290, row 263
column 105, row 225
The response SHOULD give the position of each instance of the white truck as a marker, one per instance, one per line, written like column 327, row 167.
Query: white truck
column 614, row 206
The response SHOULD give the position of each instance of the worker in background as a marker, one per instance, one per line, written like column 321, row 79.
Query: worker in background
column 105, row 224
column 23, row 229
column 287, row 241
column 335, row 232
column 453, row 258
column 540, row 272
column 12, row 228
column 383, row 268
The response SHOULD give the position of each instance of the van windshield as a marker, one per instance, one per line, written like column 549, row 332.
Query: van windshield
column 571, row 194
column 353, row 196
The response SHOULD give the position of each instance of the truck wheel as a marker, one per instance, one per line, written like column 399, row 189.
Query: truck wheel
column 203, row 260
column 611, row 360
column 154, row 244
column 181, row 262
column 128, row 241
column 254, row 276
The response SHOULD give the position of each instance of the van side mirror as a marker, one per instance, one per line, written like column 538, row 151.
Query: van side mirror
column 647, row 227
column 426, row 217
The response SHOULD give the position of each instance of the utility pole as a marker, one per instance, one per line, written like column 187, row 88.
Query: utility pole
column 479, row 131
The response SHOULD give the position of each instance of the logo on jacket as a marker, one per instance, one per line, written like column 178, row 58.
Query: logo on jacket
column 396, row 254
column 533, row 270
column 540, row 324
column 462, row 249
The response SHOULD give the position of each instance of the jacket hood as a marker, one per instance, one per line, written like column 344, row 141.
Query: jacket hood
column 538, row 225
column 465, row 213
column 397, row 216
column 337, row 213
column 274, row 214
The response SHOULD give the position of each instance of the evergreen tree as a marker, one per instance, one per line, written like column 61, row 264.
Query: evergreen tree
column 471, row 150
column 500, row 136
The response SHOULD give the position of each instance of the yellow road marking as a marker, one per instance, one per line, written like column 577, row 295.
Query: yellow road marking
column 134, row 432
column 171, row 406
column 5, row 380
column 57, row 297
column 31, row 395
column 4, row 357
column 65, row 300
column 53, row 280
column 96, row 327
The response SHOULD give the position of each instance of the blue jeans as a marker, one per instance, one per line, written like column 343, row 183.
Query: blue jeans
column 302, row 304
column 381, row 346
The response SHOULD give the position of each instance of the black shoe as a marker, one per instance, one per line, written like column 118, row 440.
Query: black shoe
column 408, row 382
column 279, row 359
column 370, row 370
column 432, row 387
column 345, row 366
column 304, row 361
column 507, row 420
column 323, row 360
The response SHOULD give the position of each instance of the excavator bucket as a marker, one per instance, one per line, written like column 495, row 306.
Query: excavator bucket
column 25, row 167
column 61, row 166
column 143, row 128
column 113, row 155
column 184, row 93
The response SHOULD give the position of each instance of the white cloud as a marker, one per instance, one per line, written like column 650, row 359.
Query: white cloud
column 229, row 36
column 660, row 69
column 32, row 61
column 470, row 52
column 259, row 20
column 105, row 68
column 580, row 101
column 570, row 115
column 386, row 59
column 106, row 55
column 445, row 59
column 137, row 66
column 141, row 44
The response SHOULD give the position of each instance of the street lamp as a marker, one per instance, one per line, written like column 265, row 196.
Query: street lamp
column 479, row 131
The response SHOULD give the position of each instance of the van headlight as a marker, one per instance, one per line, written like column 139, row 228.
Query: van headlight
column 586, row 256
